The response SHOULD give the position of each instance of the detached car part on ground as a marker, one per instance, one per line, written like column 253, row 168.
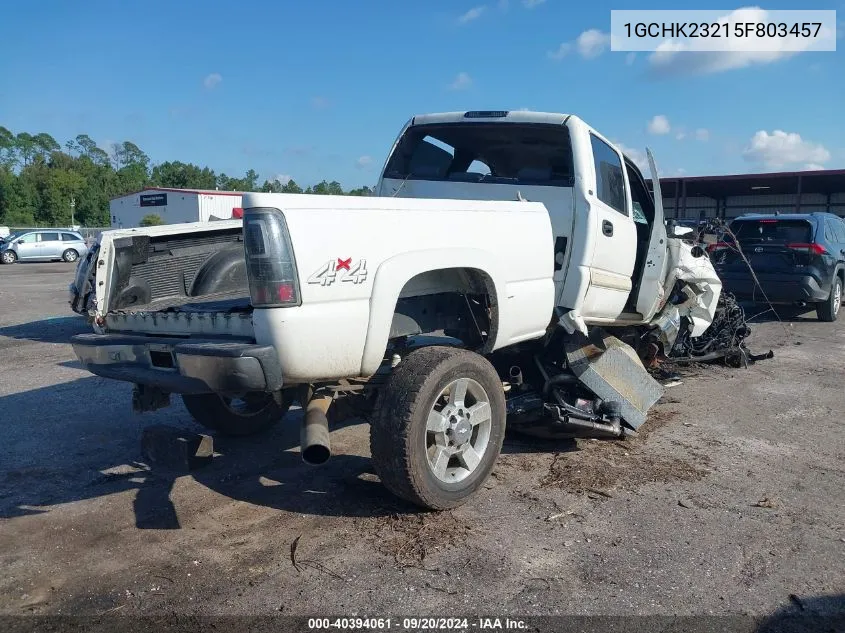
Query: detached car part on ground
column 436, row 309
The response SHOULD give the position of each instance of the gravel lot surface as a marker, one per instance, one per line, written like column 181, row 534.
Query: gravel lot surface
column 732, row 500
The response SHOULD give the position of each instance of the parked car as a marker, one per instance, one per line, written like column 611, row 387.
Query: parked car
column 46, row 245
column 798, row 259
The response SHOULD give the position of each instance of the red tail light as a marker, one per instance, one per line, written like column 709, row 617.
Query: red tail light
column 717, row 247
column 270, row 264
column 237, row 213
column 816, row 249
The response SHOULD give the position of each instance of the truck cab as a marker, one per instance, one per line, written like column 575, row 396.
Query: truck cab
column 613, row 271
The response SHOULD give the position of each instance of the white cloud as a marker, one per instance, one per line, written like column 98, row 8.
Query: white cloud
column 364, row 161
column 812, row 167
column 630, row 58
column 697, row 56
column 639, row 157
column 530, row 4
column 211, row 81
column 659, row 125
column 472, row 14
column 781, row 149
column 681, row 135
column 589, row 45
column 461, row 82
column 319, row 103
column 592, row 43
column 282, row 179
column 702, row 134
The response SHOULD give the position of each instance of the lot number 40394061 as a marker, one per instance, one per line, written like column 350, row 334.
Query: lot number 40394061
column 343, row 269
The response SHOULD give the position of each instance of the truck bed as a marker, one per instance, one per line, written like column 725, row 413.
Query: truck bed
column 183, row 284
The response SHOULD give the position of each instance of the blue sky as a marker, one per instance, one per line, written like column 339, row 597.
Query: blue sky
column 319, row 89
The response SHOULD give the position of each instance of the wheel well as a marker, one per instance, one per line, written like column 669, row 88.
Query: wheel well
column 841, row 274
column 458, row 303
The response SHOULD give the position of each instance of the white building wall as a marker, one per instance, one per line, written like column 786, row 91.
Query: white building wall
column 218, row 204
column 127, row 212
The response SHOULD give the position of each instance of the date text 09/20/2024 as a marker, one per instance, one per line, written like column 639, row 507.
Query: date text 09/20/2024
column 416, row 624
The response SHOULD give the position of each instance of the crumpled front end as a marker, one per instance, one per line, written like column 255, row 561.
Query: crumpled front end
column 692, row 290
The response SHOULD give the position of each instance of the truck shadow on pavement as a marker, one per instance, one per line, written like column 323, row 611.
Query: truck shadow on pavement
column 79, row 441
column 50, row 330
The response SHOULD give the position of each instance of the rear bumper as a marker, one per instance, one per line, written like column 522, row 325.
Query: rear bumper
column 180, row 366
column 777, row 287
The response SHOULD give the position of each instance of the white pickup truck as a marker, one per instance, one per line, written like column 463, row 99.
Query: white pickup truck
column 496, row 243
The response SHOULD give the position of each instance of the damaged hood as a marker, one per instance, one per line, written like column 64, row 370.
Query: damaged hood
column 700, row 290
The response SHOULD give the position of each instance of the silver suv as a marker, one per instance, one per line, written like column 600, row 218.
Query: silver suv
column 46, row 245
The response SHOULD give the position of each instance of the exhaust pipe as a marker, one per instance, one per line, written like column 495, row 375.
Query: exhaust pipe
column 516, row 375
column 314, row 439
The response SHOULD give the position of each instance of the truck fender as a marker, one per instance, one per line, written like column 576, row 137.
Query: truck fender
column 392, row 275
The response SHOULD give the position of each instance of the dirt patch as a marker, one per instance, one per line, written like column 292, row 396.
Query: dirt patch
column 597, row 473
column 411, row 538
column 657, row 419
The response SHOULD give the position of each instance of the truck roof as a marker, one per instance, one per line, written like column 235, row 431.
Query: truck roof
column 491, row 116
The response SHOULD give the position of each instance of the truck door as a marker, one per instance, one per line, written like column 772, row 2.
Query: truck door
column 614, row 236
column 651, row 291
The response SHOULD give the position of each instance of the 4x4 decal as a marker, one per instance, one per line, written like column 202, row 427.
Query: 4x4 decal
column 342, row 269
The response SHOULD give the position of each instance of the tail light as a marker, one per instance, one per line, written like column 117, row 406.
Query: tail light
column 717, row 247
column 813, row 248
column 270, row 264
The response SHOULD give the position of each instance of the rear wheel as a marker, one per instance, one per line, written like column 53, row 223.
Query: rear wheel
column 70, row 256
column 829, row 310
column 9, row 257
column 438, row 426
column 247, row 414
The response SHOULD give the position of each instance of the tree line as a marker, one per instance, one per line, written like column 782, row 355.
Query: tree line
column 43, row 183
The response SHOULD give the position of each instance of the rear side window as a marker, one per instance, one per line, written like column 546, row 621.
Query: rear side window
column 69, row 237
column 610, row 185
column 49, row 237
column 775, row 231
column 839, row 231
column 503, row 153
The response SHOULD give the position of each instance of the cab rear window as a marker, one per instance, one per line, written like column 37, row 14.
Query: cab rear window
column 772, row 230
column 506, row 153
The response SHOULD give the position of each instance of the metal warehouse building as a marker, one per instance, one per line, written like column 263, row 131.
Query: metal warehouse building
column 727, row 197
column 174, row 206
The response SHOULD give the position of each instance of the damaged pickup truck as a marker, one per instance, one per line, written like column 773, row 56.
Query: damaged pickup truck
column 481, row 284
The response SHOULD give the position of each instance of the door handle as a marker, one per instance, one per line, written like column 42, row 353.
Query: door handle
column 607, row 227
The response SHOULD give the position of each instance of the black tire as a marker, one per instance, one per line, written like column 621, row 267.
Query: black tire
column 70, row 256
column 828, row 310
column 220, row 413
column 9, row 257
column 398, row 432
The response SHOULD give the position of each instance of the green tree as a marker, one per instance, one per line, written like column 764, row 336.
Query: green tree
column 152, row 219
column 183, row 176
column 25, row 146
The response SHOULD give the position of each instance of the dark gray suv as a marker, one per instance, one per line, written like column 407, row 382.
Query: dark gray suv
column 798, row 259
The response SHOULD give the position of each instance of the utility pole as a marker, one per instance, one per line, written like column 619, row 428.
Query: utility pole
column 72, row 205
